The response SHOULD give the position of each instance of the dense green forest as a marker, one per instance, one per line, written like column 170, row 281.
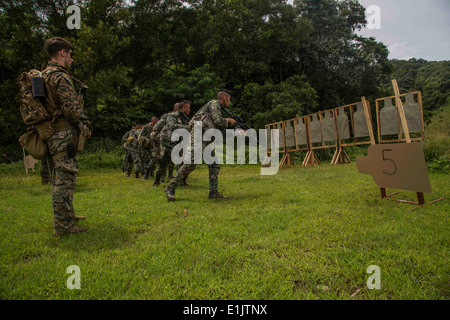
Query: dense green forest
column 140, row 57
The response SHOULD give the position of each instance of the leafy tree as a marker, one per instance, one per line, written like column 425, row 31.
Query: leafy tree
column 432, row 78
column 269, row 103
column 139, row 57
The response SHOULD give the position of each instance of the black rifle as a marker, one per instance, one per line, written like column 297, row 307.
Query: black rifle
column 240, row 124
column 184, row 115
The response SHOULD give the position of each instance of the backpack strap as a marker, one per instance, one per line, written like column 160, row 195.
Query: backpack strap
column 51, row 69
column 52, row 103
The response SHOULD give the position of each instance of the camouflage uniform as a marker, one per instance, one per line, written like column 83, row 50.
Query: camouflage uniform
column 211, row 116
column 65, row 165
column 46, row 171
column 133, row 148
column 127, row 162
column 174, row 120
column 156, row 155
column 145, row 147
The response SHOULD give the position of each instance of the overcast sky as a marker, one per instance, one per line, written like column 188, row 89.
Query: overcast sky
column 412, row 28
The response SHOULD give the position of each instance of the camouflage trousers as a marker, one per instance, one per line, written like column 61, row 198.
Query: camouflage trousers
column 64, row 180
column 46, row 171
column 146, row 158
column 186, row 169
column 165, row 163
column 127, row 162
column 136, row 159
column 155, row 156
column 162, row 156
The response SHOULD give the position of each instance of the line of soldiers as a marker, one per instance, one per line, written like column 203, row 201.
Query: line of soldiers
column 147, row 146
column 154, row 140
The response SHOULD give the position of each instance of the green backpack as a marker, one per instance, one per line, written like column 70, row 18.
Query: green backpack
column 34, row 113
column 32, row 98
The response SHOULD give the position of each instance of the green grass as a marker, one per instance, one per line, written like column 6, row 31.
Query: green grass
column 437, row 134
column 305, row 233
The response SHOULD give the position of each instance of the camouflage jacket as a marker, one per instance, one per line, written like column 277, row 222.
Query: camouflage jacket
column 211, row 117
column 124, row 140
column 175, row 120
column 125, row 137
column 135, row 143
column 63, row 93
column 161, row 123
column 159, row 126
column 147, row 130
column 144, row 137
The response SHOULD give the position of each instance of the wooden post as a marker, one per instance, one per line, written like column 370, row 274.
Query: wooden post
column 401, row 111
column 420, row 198
column 366, row 106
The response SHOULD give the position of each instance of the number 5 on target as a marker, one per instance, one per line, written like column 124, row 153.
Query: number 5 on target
column 397, row 166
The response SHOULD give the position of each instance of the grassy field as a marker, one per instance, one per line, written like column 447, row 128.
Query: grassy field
column 305, row 233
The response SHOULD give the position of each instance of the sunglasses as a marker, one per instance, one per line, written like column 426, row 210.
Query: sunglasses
column 71, row 54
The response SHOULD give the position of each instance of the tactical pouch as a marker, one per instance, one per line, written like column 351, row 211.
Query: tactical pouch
column 33, row 144
column 45, row 129
column 38, row 87
column 145, row 142
column 71, row 151
column 80, row 144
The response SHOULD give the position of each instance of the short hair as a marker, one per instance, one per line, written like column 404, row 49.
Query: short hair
column 55, row 44
column 182, row 104
column 176, row 106
column 222, row 93
column 154, row 119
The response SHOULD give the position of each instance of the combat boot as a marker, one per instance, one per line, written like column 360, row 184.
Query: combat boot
column 71, row 230
column 214, row 194
column 157, row 180
column 170, row 194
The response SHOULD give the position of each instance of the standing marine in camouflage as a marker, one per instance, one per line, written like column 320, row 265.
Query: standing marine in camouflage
column 211, row 117
column 69, row 120
column 156, row 155
column 146, row 146
column 174, row 120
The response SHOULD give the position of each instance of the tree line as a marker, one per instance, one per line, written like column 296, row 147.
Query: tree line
column 140, row 57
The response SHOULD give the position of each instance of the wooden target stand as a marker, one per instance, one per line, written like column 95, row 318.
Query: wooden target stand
column 311, row 158
column 286, row 159
column 404, row 125
column 341, row 156
column 400, row 134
